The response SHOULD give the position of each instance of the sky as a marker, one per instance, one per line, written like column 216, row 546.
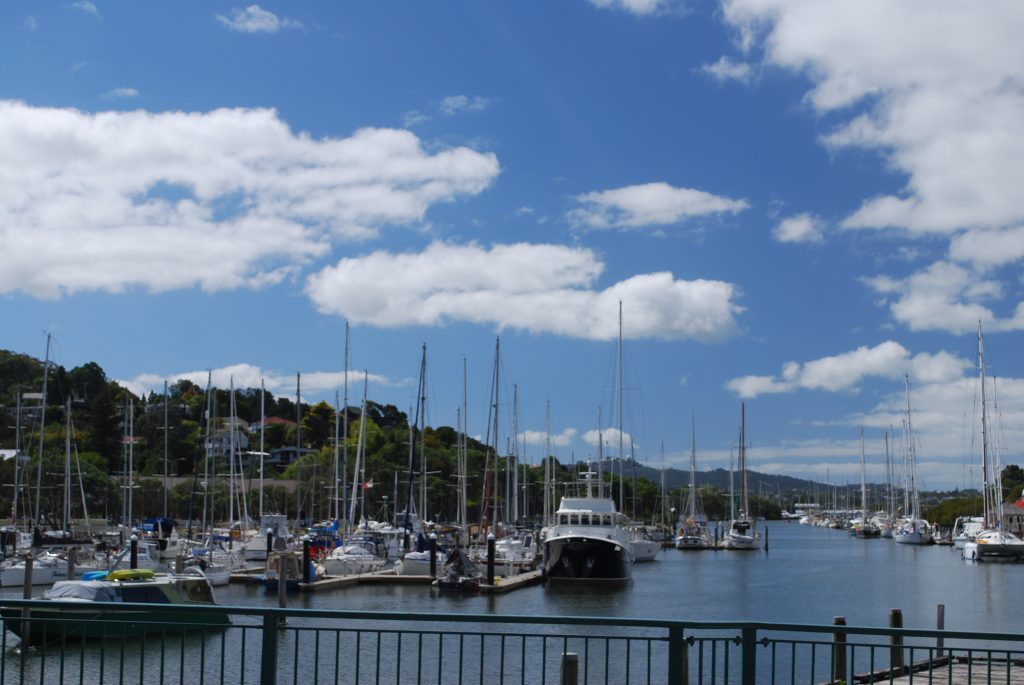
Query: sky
column 798, row 205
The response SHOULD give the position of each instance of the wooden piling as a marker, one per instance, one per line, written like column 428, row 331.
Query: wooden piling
column 433, row 555
column 305, row 560
column 71, row 563
column 839, row 651
column 133, row 559
column 896, row 651
column 490, row 558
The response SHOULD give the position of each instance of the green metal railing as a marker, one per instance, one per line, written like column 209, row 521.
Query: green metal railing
column 269, row 645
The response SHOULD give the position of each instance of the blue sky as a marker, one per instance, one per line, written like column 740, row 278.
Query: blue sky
column 797, row 203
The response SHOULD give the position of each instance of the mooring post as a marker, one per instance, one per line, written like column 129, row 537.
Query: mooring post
column 940, row 624
column 839, row 651
column 26, row 593
column 766, row 537
column 305, row 560
column 71, row 563
column 133, row 559
column 433, row 555
column 490, row 559
column 283, row 562
column 896, row 651
column 179, row 563
column 270, row 542
column 570, row 672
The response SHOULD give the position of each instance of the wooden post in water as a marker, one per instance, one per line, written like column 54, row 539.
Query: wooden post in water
column 179, row 563
column 133, row 559
column 71, row 563
column 896, row 651
column 490, row 559
column 839, row 651
column 270, row 542
column 433, row 555
column 766, row 538
column 26, row 593
column 940, row 624
column 570, row 671
column 305, row 560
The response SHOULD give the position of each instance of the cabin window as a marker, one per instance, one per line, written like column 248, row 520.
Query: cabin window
column 565, row 519
column 585, row 519
column 146, row 594
column 574, row 519
column 606, row 520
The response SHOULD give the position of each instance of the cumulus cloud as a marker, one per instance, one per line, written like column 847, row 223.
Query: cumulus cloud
column 255, row 19
column 562, row 439
column 220, row 200
column 249, row 376
column 531, row 287
column 945, row 297
column 650, row 204
column 728, row 69
column 610, row 438
column 802, row 228
column 941, row 95
column 988, row 248
column 846, row 371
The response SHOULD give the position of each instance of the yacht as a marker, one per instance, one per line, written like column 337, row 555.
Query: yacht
column 588, row 542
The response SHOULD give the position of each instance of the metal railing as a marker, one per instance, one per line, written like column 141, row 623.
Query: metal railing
column 270, row 645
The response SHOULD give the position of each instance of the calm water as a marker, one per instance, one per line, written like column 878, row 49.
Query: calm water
column 809, row 575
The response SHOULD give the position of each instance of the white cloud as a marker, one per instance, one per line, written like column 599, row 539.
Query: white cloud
column 255, row 19
column 121, row 94
column 727, row 69
column 988, row 248
column 414, row 118
column 87, row 7
column 219, row 200
column 650, row 204
column 639, row 7
column 802, row 228
column 562, row 439
column 455, row 104
column 945, row 297
column 249, row 376
column 846, row 371
column 939, row 96
column 536, row 288
column 30, row 23
column 610, row 438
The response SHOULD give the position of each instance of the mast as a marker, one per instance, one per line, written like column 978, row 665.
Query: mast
column 344, row 436
column 263, row 432
column 463, row 450
column 513, row 460
column 231, row 453
column 863, row 482
column 360, row 446
column 491, row 474
column 693, row 468
column 744, row 511
column 337, row 436
column 67, row 469
column 298, row 445
column 421, row 412
column 42, row 432
column 986, row 496
column 167, row 430
column 618, row 401
column 548, row 499
column 17, row 460
column 914, row 500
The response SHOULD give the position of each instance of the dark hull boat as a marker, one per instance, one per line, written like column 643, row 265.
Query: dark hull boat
column 587, row 560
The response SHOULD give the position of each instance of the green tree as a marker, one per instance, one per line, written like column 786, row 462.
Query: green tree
column 318, row 425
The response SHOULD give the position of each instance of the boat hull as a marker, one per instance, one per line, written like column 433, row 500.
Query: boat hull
column 587, row 560
column 48, row 626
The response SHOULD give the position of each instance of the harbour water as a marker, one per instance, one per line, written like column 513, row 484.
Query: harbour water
column 808, row 575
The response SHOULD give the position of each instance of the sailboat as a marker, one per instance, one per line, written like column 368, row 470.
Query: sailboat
column 864, row 527
column 912, row 529
column 992, row 542
column 742, row 533
column 693, row 530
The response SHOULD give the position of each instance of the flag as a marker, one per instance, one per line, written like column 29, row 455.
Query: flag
column 367, row 485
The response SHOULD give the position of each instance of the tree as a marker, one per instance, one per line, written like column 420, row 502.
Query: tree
column 318, row 425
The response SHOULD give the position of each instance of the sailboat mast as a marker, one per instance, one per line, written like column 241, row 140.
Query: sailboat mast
column 547, row 465
column 42, row 432
column 167, row 431
column 17, row 459
column 67, row 469
column 344, row 436
column 513, row 460
column 863, row 481
column 743, row 461
column 263, row 432
column 986, row 497
column 421, row 412
column 618, row 401
column 693, row 468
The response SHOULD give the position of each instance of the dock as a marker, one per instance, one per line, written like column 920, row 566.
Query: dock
column 956, row 671
column 520, row 580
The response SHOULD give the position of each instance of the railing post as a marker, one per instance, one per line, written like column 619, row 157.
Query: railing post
column 896, row 651
column 749, row 647
column 268, row 658
column 677, row 656
column 839, row 651
column 940, row 624
column 570, row 672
